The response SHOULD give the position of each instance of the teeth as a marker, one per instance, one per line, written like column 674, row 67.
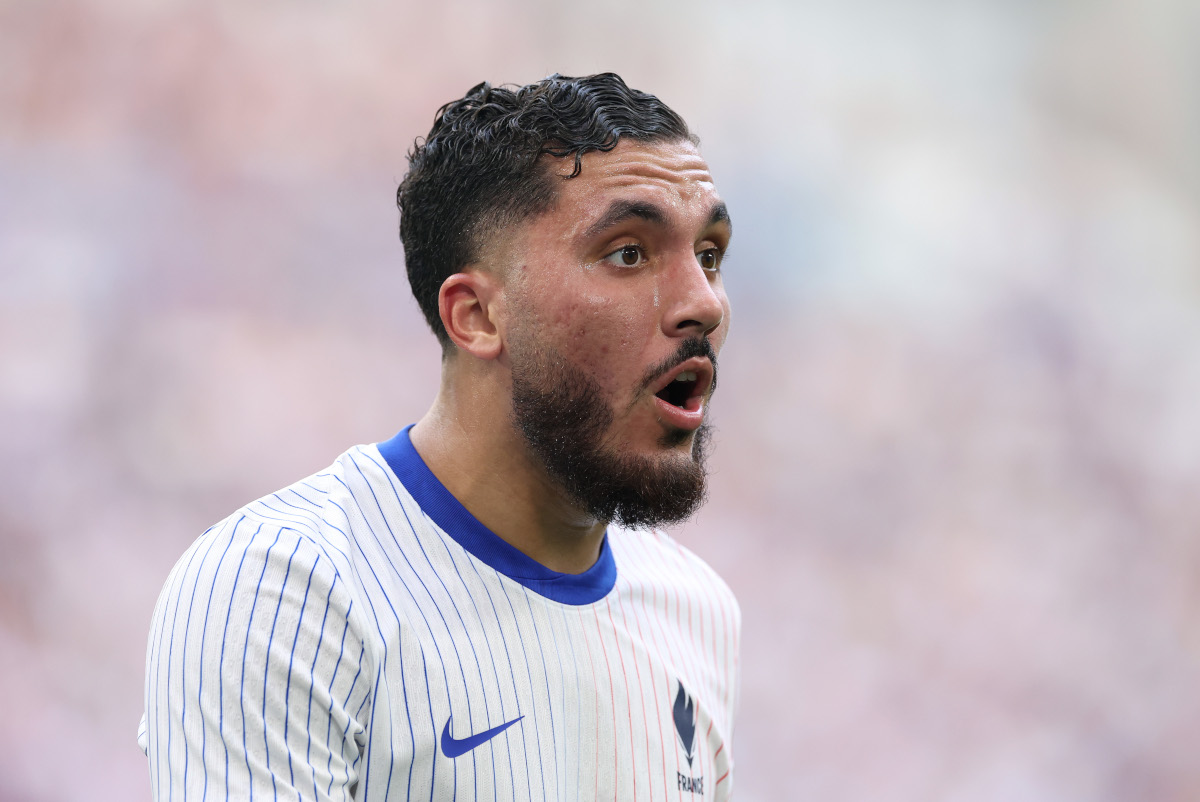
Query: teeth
column 686, row 376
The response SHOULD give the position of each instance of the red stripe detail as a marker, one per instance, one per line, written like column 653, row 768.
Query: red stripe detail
column 691, row 634
column 713, row 633
column 657, row 707
column 596, row 716
column 612, row 696
column 695, row 648
column 723, row 776
column 628, row 701
column 697, row 671
column 726, row 619
column 641, row 688
column 665, row 654
column 670, row 634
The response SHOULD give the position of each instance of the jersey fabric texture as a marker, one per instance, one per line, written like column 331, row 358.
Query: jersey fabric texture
column 360, row 635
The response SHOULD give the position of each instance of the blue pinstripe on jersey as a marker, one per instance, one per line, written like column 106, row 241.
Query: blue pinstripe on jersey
column 508, row 656
column 267, row 658
column 171, row 654
column 383, row 662
column 183, row 680
column 479, row 663
column 245, row 649
column 203, row 639
column 395, row 568
column 361, row 654
column 312, row 685
column 462, row 623
column 367, row 596
column 549, row 704
column 287, row 694
column 221, row 663
column 537, row 733
column 438, row 608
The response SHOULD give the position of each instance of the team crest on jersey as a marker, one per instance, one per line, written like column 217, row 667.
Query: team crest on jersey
column 684, row 714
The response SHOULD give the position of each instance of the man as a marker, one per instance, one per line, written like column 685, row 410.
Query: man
column 478, row 608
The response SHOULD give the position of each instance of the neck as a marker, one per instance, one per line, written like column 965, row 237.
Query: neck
column 470, row 444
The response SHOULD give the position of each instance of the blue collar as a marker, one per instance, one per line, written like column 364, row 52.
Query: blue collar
column 453, row 518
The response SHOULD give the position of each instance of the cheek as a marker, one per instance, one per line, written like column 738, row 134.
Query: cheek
column 598, row 328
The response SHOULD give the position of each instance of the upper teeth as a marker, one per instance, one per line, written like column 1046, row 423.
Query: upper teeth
column 686, row 376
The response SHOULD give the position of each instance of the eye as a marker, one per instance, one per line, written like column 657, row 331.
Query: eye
column 627, row 256
column 709, row 259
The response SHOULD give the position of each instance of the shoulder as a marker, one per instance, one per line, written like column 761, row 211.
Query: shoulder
column 303, row 532
column 655, row 550
column 653, row 556
column 259, row 617
column 242, row 565
column 322, row 506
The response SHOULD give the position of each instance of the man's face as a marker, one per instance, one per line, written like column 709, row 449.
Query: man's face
column 616, row 314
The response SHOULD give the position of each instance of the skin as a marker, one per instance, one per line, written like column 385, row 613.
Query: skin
column 560, row 283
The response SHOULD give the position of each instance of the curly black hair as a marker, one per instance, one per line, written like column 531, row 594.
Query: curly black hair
column 480, row 168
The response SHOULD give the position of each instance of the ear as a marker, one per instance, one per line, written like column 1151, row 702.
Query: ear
column 469, row 304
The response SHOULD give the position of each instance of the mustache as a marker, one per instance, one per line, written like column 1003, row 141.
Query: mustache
column 692, row 347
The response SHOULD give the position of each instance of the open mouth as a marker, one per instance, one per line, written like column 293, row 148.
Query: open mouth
column 686, row 387
column 680, row 390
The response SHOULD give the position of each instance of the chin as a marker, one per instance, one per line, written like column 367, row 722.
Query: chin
column 679, row 440
column 569, row 424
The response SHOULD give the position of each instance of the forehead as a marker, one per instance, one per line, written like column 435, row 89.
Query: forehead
column 670, row 174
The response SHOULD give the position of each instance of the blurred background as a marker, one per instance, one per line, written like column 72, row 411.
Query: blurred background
column 957, row 481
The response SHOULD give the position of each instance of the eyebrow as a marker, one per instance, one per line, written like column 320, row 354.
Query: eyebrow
column 623, row 210
column 720, row 214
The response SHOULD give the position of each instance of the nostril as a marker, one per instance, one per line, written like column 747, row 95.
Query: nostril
column 695, row 310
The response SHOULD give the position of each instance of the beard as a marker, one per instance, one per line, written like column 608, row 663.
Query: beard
column 565, row 417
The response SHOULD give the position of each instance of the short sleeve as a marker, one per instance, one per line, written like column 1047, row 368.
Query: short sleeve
column 256, row 676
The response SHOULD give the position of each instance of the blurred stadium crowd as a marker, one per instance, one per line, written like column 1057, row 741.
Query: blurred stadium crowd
column 956, row 479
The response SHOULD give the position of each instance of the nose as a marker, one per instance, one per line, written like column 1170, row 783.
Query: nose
column 694, row 300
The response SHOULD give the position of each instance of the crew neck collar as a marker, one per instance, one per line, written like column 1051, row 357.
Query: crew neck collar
column 485, row 545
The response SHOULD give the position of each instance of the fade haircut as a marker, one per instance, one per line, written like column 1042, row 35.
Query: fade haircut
column 480, row 168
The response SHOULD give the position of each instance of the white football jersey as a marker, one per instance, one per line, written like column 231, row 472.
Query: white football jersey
column 360, row 635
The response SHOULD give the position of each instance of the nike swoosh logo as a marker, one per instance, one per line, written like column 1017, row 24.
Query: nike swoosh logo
column 453, row 747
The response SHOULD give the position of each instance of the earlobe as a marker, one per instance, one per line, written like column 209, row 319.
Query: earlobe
column 468, row 304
